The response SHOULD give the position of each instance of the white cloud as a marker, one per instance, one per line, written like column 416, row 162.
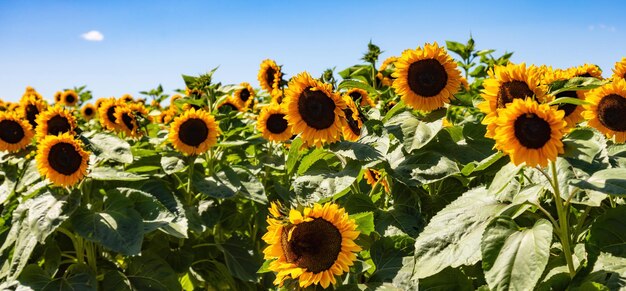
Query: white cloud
column 601, row 27
column 93, row 35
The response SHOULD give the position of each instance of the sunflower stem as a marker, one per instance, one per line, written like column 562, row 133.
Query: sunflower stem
column 561, row 211
column 188, row 194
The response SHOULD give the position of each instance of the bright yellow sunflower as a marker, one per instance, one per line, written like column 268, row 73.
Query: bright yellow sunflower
column 530, row 132
column 127, row 98
column 126, row 118
column 619, row 72
column 269, row 75
column 505, row 84
column 586, row 70
column 15, row 132
column 30, row 107
column 107, row 113
column 99, row 102
column 58, row 95
column 312, row 246
column 174, row 98
column 62, row 159
column 69, row 98
column 352, row 128
column 606, row 108
column 360, row 94
column 272, row 123
column 168, row 115
column 373, row 176
column 385, row 72
column 426, row 78
column 88, row 111
column 573, row 112
column 229, row 103
column 30, row 92
column 54, row 121
column 314, row 110
column 277, row 96
column 193, row 132
column 244, row 96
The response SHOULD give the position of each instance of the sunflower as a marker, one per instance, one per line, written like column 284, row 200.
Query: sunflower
column 506, row 83
column 30, row 107
column 530, row 132
column 99, row 102
column 229, row 103
column 373, row 176
column 244, row 96
column 586, row 70
column 619, row 72
column 194, row 132
column 107, row 113
column 168, row 115
column 272, row 123
column 573, row 112
column 54, row 121
column 88, row 111
column 426, row 78
column 352, row 128
column 269, row 75
column 57, row 97
column 62, row 159
column 30, row 92
column 314, row 110
column 127, row 98
column 69, row 98
column 15, row 132
column 155, row 103
column 605, row 110
column 277, row 96
column 383, row 75
column 174, row 98
column 126, row 118
column 312, row 246
column 359, row 94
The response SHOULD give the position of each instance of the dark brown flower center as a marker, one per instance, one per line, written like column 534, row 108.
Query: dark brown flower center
column 69, row 99
column 374, row 174
column 31, row 114
column 269, row 77
column 111, row 114
column 314, row 245
column 244, row 94
column 427, row 77
column 612, row 111
column 355, row 95
column 58, row 124
column 88, row 111
column 513, row 90
column 193, row 132
column 11, row 131
column 585, row 75
column 57, row 97
column 316, row 109
column 64, row 158
column 567, row 107
column 352, row 123
column 532, row 131
column 276, row 123
column 128, row 121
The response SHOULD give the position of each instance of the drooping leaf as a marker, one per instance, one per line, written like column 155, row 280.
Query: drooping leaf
column 151, row 272
column 111, row 147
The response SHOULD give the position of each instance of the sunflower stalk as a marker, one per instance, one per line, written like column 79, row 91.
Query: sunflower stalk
column 188, row 194
column 561, row 210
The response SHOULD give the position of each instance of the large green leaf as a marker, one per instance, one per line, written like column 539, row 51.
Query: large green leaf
column 316, row 185
column 607, row 233
column 425, row 168
column 514, row 258
column 364, row 222
column 452, row 238
column 160, row 190
column 172, row 164
column 111, row 147
column 77, row 277
column 413, row 133
column 151, row 272
column 118, row 226
column 110, row 174
column 240, row 260
column 447, row 279
column 387, row 254
column 609, row 181
column 153, row 212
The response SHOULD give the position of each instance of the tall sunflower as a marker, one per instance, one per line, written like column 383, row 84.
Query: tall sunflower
column 99, row 102
column 126, row 118
column 30, row 107
column 352, row 128
column 54, row 121
column 69, row 98
column 426, row 78
column 573, row 112
column 30, row 92
column 530, row 132
column 273, row 124
column 269, row 75
column 107, row 113
column 311, row 246
column 314, row 110
column 357, row 94
column 62, row 159
column 127, row 98
column 606, row 108
column 88, row 111
column 385, row 71
column 619, row 71
column 586, row 70
column 194, row 132
column 244, row 96
column 58, row 97
column 505, row 84
column 15, row 132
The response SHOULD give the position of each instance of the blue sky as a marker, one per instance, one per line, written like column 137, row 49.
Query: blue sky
column 152, row 42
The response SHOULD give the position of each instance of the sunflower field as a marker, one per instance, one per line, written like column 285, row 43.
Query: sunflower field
column 444, row 168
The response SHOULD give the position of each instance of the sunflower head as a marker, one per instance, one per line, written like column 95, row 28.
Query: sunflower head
column 426, row 78
column 69, row 98
column 385, row 72
column 229, row 103
column 54, row 121
column 530, row 132
column 15, row 132
column 99, row 102
column 244, row 96
column 352, row 128
column 373, row 176
column 586, row 70
column 88, row 111
column 62, row 159
column 573, row 112
column 107, row 113
column 361, row 97
column 168, row 115
column 193, row 132
column 30, row 107
column 272, row 123
column 269, row 75
column 605, row 109
column 619, row 71
column 314, row 110
column 174, row 98
column 127, row 118
column 311, row 246
column 127, row 98
column 58, row 97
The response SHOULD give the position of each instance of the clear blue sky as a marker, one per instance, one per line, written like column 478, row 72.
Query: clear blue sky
column 150, row 42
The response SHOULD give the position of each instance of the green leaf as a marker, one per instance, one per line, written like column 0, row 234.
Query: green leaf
column 150, row 272
column 312, row 157
column 515, row 258
column 503, row 178
column 364, row 222
column 317, row 185
column 567, row 100
column 413, row 133
column 111, row 147
column 425, row 168
column 110, row 174
column 452, row 238
column 387, row 255
column 172, row 164
column 154, row 214
column 116, row 280
column 160, row 190
column 576, row 83
column 447, row 279
column 118, row 226
column 609, row 181
column 77, row 277
column 294, row 155
column 606, row 233
column 482, row 165
column 356, row 151
column 240, row 260
column 216, row 186
column 349, row 84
